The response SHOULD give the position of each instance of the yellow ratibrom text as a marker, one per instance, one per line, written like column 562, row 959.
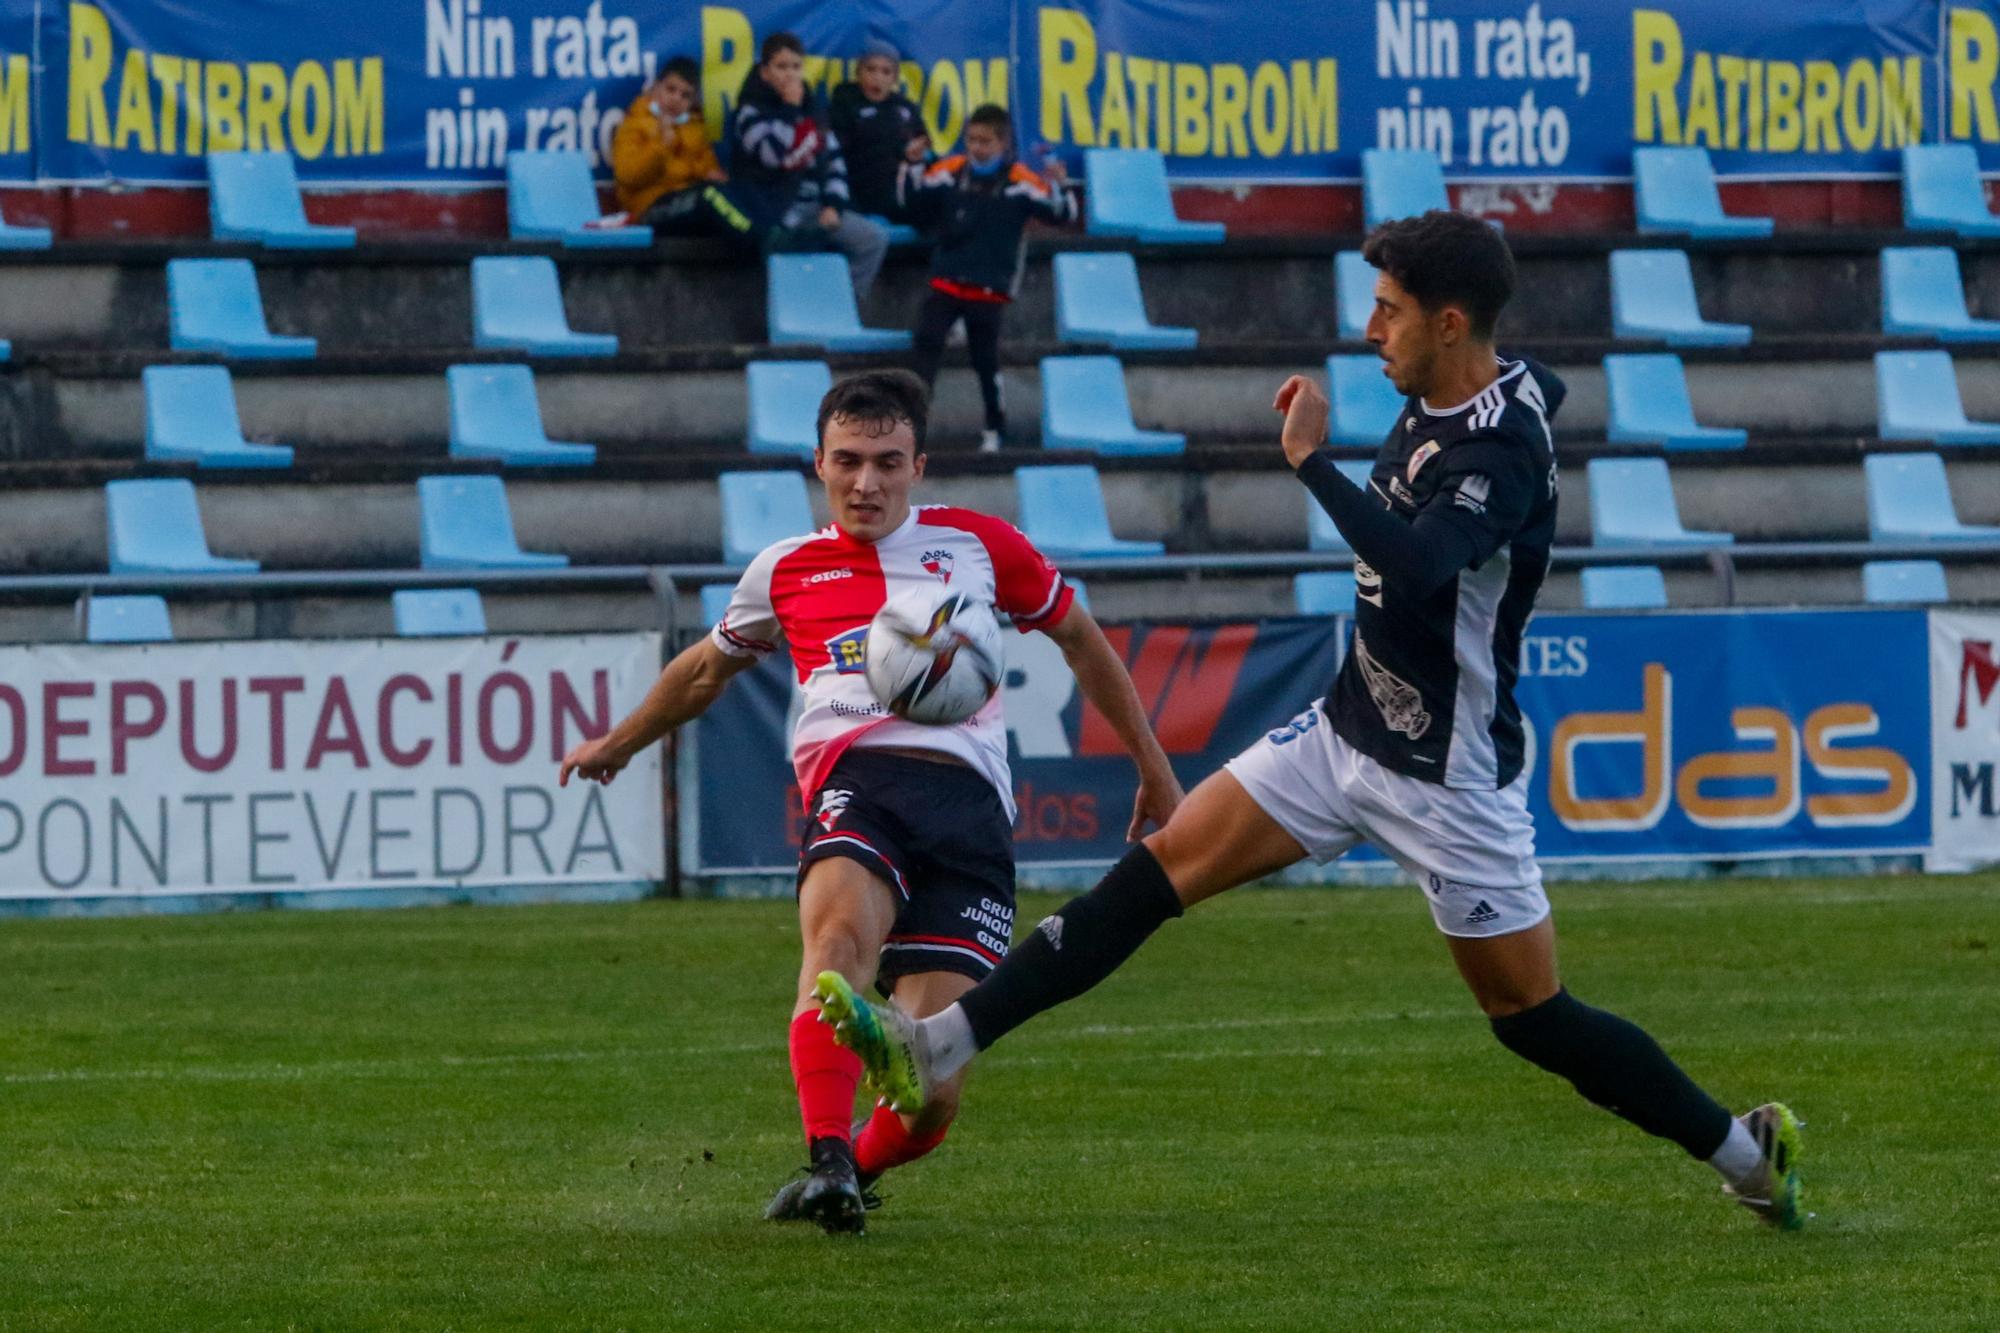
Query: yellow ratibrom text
column 1713, row 100
column 160, row 103
column 1113, row 99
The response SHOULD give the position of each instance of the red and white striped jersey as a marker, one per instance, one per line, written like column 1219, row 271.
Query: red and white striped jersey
column 817, row 594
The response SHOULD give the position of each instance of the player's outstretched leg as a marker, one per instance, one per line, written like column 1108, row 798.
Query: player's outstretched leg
column 1615, row 1064
column 1218, row 838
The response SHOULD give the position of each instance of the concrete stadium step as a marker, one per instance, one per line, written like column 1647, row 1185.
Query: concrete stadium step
column 301, row 524
column 90, row 404
column 682, row 293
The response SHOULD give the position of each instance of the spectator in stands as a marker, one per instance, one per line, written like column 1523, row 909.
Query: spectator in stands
column 978, row 203
column 787, row 161
column 879, row 129
column 666, row 171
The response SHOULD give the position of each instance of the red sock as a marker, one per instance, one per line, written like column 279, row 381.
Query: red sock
column 885, row 1143
column 827, row 1074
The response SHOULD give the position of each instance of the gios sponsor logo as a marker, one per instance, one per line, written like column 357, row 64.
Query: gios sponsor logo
column 847, row 651
column 826, row 576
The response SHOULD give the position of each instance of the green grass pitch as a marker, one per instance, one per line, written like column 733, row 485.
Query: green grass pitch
column 1285, row 1113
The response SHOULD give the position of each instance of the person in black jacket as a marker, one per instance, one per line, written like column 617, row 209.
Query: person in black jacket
column 978, row 204
column 786, row 163
column 878, row 128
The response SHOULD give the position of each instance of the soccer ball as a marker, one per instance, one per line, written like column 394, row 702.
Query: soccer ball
column 934, row 656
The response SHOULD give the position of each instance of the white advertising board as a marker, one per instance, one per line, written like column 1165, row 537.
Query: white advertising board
column 297, row 765
column 1965, row 740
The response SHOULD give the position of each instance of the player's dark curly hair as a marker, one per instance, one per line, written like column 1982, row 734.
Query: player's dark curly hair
column 878, row 401
column 1446, row 259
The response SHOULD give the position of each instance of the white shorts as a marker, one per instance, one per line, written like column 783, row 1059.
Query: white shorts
column 1473, row 852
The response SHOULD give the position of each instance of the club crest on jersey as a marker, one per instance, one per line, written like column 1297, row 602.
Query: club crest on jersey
column 1425, row 452
column 938, row 564
column 832, row 804
column 847, row 651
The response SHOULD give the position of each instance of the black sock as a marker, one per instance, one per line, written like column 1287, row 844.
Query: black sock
column 1615, row 1064
column 1081, row 945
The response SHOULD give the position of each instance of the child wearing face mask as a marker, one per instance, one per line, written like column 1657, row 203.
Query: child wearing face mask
column 665, row 163
column 977, row 203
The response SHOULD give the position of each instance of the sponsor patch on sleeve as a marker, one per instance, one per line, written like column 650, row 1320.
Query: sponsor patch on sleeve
column 1472, row 492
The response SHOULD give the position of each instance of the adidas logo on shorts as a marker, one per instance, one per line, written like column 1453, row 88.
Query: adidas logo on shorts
column 1481, row 913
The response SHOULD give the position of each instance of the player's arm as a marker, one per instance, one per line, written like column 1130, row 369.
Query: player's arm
column 684, row 691
column 1421, row 556
column 1104, row 682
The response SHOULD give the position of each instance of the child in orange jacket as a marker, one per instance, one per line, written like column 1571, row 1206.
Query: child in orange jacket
column 661, row 148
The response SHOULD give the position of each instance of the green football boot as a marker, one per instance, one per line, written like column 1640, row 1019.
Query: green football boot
column 882, row 1035
column 1775, row 1194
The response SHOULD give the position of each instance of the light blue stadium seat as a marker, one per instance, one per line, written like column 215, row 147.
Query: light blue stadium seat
column 1625, row 587
column 1324, row 592
column 1098, row 301
column 24, row 238
column 1365, row 404
column 1062, row 512
column 126, row 619
column 1916, row 398
column 1400, row 183
column 784, row 405
column 153, row 526
column 1321, row 534
column 213, row 306
column 464, row 523
column 255, row 197
column 715, row 602
column 1909, row 500
column 1353, row 294
column 1942, row 190
column 900, row 233
column 759, row 508
column 423, row 613
column 6, row 350
column 1085, row 406
column 191, row 418
column 496, row 416
column 1632, row 504
column 1648, row 394
column 809, row 300
column 1922, row 294
column 1893, row 581
column 1652, row 298
column 550, row 197
column 517, row 305
column 1127, row 195
column 1674, row 192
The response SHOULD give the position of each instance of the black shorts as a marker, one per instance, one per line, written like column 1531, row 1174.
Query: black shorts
column 939, row 835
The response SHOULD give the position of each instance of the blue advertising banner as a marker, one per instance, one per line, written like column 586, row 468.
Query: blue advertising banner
column 17, row 100
column 1718, row 736
column 1728, row 735
column 1210, row 692
column 438, row 92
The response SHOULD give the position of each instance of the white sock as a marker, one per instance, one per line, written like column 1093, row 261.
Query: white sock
column 1739, row 1158
column 947, row 1043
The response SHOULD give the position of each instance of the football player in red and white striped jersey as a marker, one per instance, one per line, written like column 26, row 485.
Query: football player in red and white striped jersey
column 906, row 874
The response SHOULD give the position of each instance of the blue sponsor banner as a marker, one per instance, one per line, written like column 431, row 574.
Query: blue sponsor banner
column 1536, row 90
column 1728, row 735
column 1723, row 736
column 1210, row 691
column 17, row 98
column 439, row 92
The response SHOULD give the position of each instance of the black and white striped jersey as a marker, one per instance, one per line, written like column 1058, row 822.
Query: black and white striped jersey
column 1427, row 688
